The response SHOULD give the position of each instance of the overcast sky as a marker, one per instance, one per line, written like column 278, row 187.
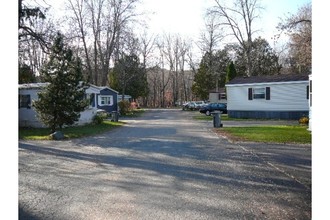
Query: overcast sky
column 185, row 17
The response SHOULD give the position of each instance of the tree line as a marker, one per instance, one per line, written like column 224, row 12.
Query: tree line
column 162, row 70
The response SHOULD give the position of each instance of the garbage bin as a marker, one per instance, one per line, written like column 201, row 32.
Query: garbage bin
column 216, row 119
column 114, row 116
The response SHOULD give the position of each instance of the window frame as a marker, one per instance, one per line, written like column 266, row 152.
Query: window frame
column 105, row 100
column 259, row 93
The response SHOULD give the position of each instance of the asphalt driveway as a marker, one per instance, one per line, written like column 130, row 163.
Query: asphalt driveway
column 164, row 165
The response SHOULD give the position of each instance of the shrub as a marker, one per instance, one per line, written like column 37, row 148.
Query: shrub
column 124, row 107
column 98, row 119
column 304, row 120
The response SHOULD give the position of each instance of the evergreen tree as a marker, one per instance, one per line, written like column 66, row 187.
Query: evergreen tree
column 129, row 77
column 264, row 60
column 61, row 102
column 204, row 80
column 25, row 74
column 211, row 74
column 231, row 72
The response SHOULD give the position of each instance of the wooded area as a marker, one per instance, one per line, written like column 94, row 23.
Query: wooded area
column 163, row 70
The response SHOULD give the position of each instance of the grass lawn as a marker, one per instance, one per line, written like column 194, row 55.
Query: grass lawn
column 77, row 131
column 204, row 117
column 272, row 134
column 70, row 132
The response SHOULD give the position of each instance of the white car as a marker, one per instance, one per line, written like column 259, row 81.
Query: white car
column 199, row 104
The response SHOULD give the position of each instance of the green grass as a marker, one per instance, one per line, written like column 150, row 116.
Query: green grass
column 204, row 117
column 69, row 132
column 273, row 134
column 224, row 117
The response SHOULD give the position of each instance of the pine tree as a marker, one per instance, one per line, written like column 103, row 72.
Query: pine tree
column 128, row 77
column 231, row 72
column 204, row 79
column 61, row 102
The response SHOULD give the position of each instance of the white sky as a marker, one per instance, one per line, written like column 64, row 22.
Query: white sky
column 185, row 17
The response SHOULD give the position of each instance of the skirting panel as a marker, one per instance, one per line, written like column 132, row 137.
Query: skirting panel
column 289, row 115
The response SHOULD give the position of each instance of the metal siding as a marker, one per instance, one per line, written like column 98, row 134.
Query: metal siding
column 28, row 117
column 291, row 115
column 114, row 107
column 284, row 97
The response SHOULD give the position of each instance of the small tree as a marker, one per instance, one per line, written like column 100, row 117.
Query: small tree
column 25, row 74
column 61, row 102
column 231, row 72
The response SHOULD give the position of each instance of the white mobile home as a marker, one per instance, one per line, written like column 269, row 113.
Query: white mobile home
column 218, row 96
column 269, row 97
column 28, row 115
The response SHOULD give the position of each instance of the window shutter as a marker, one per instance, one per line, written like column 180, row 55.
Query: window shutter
column 307, row 92
column 267, row 93
column 250, row 93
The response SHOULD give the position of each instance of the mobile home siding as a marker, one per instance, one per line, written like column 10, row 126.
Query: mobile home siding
column 288, row 97
column 28, row 116
column 215, row 97
column 287, row 100
column 110, row 93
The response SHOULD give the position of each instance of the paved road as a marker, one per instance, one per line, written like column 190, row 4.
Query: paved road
column 163, row 165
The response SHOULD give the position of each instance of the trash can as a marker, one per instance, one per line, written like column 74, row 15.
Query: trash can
column 216, row 119
column 114, row 116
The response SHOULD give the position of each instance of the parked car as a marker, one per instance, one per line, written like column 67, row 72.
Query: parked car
column 199, row 104
column 193, row 105
column 188, row 106
column 208, row 109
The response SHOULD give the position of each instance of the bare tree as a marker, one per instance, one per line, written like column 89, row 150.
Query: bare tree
column 78, row 20
column 28, row 15
column 100, row 25
column 32, row 52
column 239, row 19
column 175, row 52
column 165, row 77
column 299, row 29
column 212, row 35
column 146, row 47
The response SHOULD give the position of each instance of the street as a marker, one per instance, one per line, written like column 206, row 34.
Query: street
column 163, row 165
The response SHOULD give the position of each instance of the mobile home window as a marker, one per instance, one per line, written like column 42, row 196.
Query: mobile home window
column 259, row 93
column 24, row 101
column 222, row 96
column 106, row 100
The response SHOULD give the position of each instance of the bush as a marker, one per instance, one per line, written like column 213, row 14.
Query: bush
column 304, row 120
column 124, row 107
column 99, row 118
